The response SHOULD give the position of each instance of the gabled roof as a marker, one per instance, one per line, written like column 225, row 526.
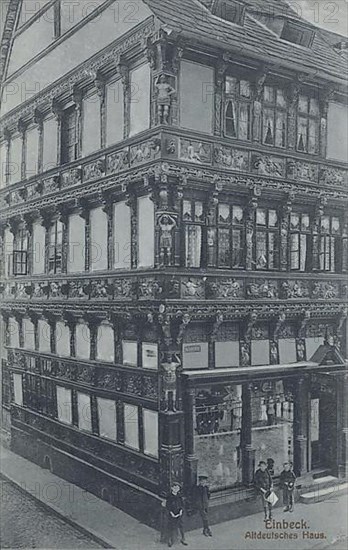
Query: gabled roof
column 191, row 19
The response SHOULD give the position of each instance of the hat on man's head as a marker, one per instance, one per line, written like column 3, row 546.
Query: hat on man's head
column 202, row 476
column 262, row 462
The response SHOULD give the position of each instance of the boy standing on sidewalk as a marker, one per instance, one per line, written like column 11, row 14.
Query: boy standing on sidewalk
column 175, row 509
column 287, row 482
column 264, row 484
column 202, row 496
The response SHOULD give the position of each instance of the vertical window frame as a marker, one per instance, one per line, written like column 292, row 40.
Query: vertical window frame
column 237, row 100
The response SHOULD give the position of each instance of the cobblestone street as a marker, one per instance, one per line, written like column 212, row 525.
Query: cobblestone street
column 25, row 524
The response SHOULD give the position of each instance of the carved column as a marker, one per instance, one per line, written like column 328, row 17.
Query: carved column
column 178, row 197
column 38, row 120
column 211, row 230
column 249, row 215
column 257, row 104
column 212, row 338
column 77, row 98
column 18, row 318
column 5, row 166
column 191, row 460
column 301, row 419
column 108, row 208
column 123, row 70
column 22, row 127
column 274, row 344
column 64, row 218
column 220, row 74
column 133, row 205
column 301, row 336
column 166, row 223
column 93, row 329
column 316, row 230
column 245, row 344
column 57, row 112
column 292, row 93
column 324, row 97
column 284, row 235
column 247, row 451
column 99, row 83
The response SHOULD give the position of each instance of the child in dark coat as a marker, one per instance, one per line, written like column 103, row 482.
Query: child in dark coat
column 202, row 496
column 175, row 509
column 264, row 484
column 287, row 483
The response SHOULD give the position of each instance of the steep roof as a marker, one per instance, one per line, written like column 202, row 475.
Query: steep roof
column 191, row 19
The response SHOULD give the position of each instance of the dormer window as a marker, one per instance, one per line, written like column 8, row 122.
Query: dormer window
column 297, row 34
column 229, row 10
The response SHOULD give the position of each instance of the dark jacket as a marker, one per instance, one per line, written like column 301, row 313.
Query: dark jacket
column 174, row 504
column 263, row 480
column 287, row 479
column 201, row 497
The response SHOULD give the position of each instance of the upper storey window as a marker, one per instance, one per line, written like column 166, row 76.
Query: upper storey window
column 337, row 132
column 20, row 252
column 69, row 135
column 237, row 108
column 196, row 97
column 297, row 34
column 229, row 10
column 308, row 125
column 274, row 117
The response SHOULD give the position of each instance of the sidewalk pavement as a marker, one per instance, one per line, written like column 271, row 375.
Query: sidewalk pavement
column 112, row 528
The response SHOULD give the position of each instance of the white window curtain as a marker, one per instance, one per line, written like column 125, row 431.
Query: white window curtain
column 15, row 161
column 98, row 239
column 130, row 353
column 146, row 232
column 150, row 356
column 13, row 330
column 18, row 389
column 91, row 124
column 131, row 426
column 76, row 244
column 114, row 112
column 196, row 97
column 44, row 332
column 82, row 341
column 193, row 245
column 32, row 152
column 50, row 144
column 62, row 339
column 140, row 99
column 84, row 412
column 38, row 259
column 106, row 343
column 28, row 334
column 107, row 418
column 150, row 432
column 64, row 405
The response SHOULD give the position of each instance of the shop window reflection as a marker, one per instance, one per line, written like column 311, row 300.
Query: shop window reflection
column 272, row 423
column 218, row 417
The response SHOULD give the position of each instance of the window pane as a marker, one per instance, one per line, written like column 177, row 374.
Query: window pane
column 303, row 252
column 260, row 352
column 64, row 405
column 131, row 427
column 107, row 418
column 91, row 124
column 44, row 333
column 28, row 334
column 237, row 248
column 195, row 355
column 231, row 122
column 313, row 106
column 224, row 258
column 18, row 389
column 226, row 354
column 244, row 88
column 294, row 250
column 268, row 126
column 244, row 121
column 272, row 252
column 140, row 99
column 32, row 152
column 313, row 136
column 237, row 214
column 261, row 251
column 76, row 244
column 150, row 356
column 122, row 234
column 114, row 112
column 272, row 218
column 280, row 140
column 231, row 84
column 50, row 144
column 146, row 232
column 106, row 343
column 302, row 134
column 98, row 239
column 303, row 104
column 268, row 94
column 150, row 432
column 13, row 330
column 15, row 161
column 224, row 213
column 260, row 217
column 130, row 353
column 193, row 245
column 84, row 412
column 62, row 339
column 82, row 341
column 280, row 98
column 196, row 97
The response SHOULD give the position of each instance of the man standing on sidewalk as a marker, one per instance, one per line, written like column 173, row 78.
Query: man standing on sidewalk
column 287, row 481
column 201, row 498
column 175, row 508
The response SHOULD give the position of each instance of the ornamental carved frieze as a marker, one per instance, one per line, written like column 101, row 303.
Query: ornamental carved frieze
column 21, row 291
column 50, row 185
column 123, row 289
column 146, row 151
column 78, row 289
column 109, row 379
column 230, row 289
column 34, row 191
column 115, row 162
column 171, row 146
column 333, row 176
column 173, row 288
column 301, row 171
column 84, row 374
column 58, row 289
column 94, row 170
column 231, row 159
column 66, row 371
column 71, row 177
column 149, row 289
column 197, row 152
column 192, row 288
column 150, row 387
column 266, row 165
column 40, row 290
column 294, row 289
column 325, row 290
column 262, row 289
column 133, row 384
column 99, row 289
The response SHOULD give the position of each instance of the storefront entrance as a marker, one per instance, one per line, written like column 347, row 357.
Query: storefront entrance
column 323, row 422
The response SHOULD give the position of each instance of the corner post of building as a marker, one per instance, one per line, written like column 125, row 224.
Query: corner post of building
column 57, row 112
column 38, row 120
column 292, row 95
column 258, row 87
column 5, row 173
column 191, row 460
column 247, row 451
column 77, row 99
column 210, row 236
column 71, row 321
column 100, row 85
column 316, row 231
column 220, row 73
column 301, row 420
column 123, row 71
column 166, row 222
column 108, row 208
column 178, row 195
column 284, row 232
column 249, row 215
column 132, row 203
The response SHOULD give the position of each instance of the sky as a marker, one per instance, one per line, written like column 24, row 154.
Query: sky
column 330, row 15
